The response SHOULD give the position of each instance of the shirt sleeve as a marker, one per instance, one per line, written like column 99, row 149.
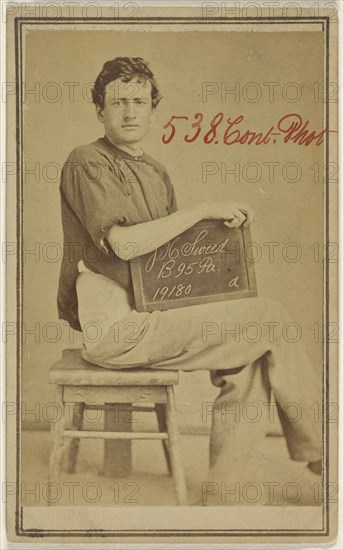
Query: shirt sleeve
column 172, row 201
column 95, row 193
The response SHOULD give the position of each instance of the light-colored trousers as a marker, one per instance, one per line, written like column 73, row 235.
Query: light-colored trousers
column 247, row 346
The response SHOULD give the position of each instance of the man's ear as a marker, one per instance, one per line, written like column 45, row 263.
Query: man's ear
column 100, row 113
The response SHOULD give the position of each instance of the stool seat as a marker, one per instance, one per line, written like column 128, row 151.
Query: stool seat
column 73, row 370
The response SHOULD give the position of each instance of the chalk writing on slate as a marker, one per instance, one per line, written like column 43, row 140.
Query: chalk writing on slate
column 207, row 263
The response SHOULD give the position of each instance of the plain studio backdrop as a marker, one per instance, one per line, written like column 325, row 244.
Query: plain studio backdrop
column 274, row 74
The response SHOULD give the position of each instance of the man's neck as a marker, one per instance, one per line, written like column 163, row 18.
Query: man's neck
column 134, row 150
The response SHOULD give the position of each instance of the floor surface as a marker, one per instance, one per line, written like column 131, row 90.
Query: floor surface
column 280, row 481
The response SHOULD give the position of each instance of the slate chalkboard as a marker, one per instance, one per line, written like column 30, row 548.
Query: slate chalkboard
column 206, row 263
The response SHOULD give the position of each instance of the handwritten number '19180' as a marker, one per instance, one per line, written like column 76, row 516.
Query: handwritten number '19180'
column 176, row 291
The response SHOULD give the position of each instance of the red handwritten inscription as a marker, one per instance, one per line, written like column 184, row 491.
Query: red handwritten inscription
column 291, row 128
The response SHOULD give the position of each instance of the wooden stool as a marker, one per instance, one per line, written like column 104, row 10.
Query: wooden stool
column 88, row 386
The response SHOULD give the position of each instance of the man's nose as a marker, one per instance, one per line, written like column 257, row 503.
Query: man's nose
column 129, row 111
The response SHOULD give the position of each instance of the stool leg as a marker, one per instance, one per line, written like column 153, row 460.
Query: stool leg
column 175, row 454
column 57, row 429
column 78, row 414
column 160, row 409
column 118, row 453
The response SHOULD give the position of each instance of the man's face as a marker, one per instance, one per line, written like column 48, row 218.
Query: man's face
column 127, row 112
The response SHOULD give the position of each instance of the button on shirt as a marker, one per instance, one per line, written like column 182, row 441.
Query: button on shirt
column 101, row 186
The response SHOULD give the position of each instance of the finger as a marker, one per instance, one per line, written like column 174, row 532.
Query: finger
column 247, row 223
column 249, row 212
column 233, row 224
column 239, row 216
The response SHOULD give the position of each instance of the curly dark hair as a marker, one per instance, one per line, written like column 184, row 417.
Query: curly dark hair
column 125, row 68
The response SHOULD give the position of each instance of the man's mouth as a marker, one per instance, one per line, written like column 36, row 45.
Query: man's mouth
column 130, row 126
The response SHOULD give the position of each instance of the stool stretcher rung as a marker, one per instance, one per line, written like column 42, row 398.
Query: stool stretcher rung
column 114, row 435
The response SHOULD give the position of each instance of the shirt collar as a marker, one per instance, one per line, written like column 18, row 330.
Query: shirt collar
column 122, row 153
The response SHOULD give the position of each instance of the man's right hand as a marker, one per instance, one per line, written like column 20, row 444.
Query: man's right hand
column 234, row 214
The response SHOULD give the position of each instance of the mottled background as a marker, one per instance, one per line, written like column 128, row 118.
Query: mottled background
column 57, row 120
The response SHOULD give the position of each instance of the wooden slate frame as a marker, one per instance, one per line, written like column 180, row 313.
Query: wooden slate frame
column 137, row 272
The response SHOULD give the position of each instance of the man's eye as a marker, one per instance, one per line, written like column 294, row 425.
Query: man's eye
column 117, row 103
column 140, row 102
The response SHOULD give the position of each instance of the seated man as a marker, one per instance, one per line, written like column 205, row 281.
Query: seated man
column 118, row 203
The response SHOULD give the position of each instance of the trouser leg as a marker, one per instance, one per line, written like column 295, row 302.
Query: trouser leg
column 240, row 421
column 226, row 336
column 295, row 383
column 240, row 416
